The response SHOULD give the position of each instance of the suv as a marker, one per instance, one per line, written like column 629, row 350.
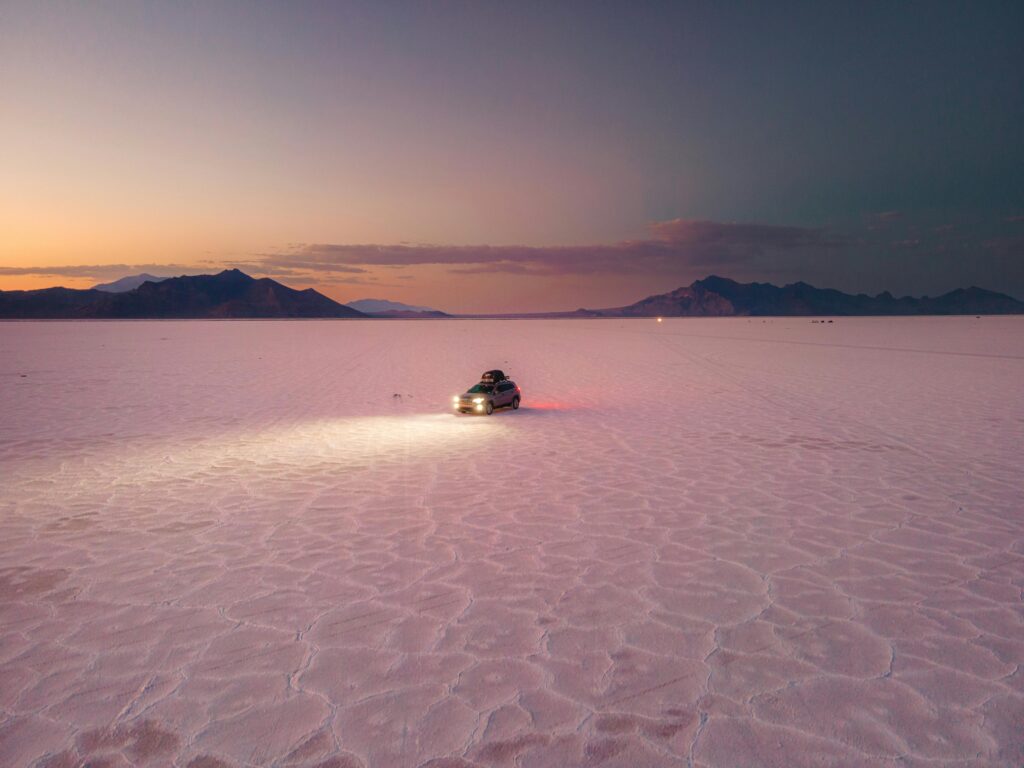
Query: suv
column 495, row 390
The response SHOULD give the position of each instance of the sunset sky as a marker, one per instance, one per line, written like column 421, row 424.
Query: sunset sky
column 517, row 156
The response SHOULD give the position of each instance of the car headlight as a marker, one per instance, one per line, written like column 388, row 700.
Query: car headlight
column 455, row 399
column 478, row 399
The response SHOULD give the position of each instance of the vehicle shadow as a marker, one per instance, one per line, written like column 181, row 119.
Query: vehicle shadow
column 504, row 413
column 534, row 412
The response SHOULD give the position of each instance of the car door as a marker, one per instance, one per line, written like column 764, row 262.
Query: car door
column 504, row 394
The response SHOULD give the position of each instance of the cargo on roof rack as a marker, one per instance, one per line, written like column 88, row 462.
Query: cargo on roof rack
column 492, row 377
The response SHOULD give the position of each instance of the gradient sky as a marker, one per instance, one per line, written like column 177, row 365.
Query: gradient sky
column 516, row 156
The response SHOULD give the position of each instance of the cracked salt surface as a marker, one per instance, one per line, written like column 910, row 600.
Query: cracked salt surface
column 700, row 542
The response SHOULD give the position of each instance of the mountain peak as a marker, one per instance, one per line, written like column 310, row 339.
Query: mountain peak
column 381, row 306
column 127, row 283
column 228, row 294
column 234, row 273
column 711, row 281
column 716, row 296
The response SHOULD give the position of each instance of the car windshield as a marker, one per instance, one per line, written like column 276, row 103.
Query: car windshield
column 486, row 388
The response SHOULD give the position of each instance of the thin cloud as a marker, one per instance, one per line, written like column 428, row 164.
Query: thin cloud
column 499, row 266
column 370, row 281
column 754, row 237
column 674, row 244
column 100, row 271
column 276, row 264
column 883, row 219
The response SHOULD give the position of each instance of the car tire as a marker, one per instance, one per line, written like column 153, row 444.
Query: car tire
column 515, row 403
column 489, row 408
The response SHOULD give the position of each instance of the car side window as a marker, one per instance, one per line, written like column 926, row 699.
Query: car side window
column 505, row 387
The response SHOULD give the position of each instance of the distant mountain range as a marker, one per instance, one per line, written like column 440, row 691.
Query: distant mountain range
column 229, row 294
column 385, row 308
column 721, row 297
column 129, row 283
column 234, row 294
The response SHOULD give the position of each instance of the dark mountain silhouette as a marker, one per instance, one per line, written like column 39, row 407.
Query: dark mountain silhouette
column 233, row 294
column 382, row 306
column 721, row 297
column 385, row 308
column 129, row 283
column 229, row 294
column 411, row 315
column 47, row 303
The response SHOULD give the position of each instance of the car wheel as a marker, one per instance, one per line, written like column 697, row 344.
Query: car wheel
column 515, row 403
column 489, row 407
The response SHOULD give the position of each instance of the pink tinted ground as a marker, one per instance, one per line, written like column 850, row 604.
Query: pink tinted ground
column 709, row 543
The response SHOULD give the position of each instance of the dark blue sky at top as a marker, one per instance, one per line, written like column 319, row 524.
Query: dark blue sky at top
column 796, row 112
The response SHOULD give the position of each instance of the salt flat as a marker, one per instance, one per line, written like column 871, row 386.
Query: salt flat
column 702, row 542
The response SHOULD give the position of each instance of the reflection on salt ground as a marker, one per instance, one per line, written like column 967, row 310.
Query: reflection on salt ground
column 360, row 437
column 546, row 406
column 351, row 441
column 419, row 432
